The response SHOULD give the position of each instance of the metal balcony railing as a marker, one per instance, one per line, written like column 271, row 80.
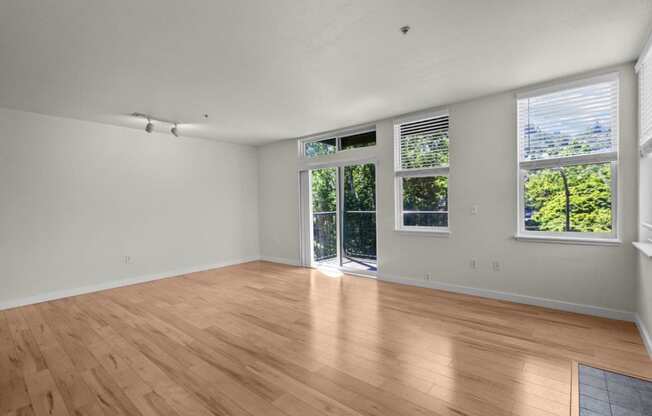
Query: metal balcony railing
column 358, row 239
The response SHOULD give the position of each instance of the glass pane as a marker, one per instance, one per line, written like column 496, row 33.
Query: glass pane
column 324, row 220
column 322, row 147
column 569, row 199
column 359, row 217
column 425, row 201
column 358, row 140
column 575, row 121
column 424, row 143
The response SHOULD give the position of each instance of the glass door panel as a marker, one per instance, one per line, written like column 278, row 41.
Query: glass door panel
column 323, row 189
column 358, row 191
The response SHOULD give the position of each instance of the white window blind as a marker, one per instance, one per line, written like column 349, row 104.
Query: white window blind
column 421, row 172
column 576, row 123
column 644, row 69
column 568, row 159
column 424, row 143
column 645, row 96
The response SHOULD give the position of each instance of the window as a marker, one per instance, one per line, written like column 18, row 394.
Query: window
column 421, row 171
column 644, row 71
column 568, row 159
column 320, row 147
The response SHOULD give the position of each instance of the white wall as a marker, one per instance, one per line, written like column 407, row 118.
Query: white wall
column 279, row 202
column 644, row 278
column 77, row 197
column 483, row 172
column 644, row 299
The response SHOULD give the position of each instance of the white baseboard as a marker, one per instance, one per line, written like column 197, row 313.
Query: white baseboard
column 516, row 298
column 281, row 260
column 644, row 334
column 64, row 293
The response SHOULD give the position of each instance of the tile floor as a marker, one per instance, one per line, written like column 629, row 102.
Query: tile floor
column 603, row 393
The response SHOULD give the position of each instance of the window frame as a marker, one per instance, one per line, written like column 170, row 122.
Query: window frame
column 400, row 173
column 522, row 167
column 337, row 135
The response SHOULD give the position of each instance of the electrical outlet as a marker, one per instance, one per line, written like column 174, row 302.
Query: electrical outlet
column 128, row 260
column 426, row 276
column 475, row 209
column 473, row 263
column 495, row 265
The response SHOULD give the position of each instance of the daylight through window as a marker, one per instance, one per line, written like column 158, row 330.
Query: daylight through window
column 422, row 174
column 568, row 153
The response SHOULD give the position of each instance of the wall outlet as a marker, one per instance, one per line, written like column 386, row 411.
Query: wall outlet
column 475, row 209
column 426, row 276
column 495, row 266
column 473, row 263
column 128, row 260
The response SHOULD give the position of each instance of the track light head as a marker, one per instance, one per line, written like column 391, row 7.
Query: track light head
column 149, row 127
column 174, row 131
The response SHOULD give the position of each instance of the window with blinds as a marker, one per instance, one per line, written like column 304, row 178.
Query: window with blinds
column 422, row 167
column 644, row 72
column 424, row 143
column 644, row 69
column 577, row 121
column 568, row 154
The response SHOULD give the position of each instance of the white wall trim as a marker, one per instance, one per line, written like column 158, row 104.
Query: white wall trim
column 64, row 293
column 517, row 298
column 644, row 334
column 281, row 260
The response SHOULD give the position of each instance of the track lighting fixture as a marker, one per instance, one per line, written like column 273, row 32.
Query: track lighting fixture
column 149, row 127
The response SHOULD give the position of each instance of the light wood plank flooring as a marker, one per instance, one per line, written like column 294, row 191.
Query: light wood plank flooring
column 267, row 339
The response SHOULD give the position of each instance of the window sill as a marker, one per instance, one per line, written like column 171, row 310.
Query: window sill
column 424, row 232
column 569, row 240
column 644, row 248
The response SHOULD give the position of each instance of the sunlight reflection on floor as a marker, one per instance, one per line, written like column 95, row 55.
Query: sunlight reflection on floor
column 330, row 272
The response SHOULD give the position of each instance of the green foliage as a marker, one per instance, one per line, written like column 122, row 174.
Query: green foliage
column 424, row 151
column 590, row 198
column 586, row 191
column 320, row 148
column 359, row 228
column 425, row 193
column 324, row 188
column 360, row 187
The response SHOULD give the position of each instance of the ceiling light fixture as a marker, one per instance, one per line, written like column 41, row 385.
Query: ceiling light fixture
column 149, row 127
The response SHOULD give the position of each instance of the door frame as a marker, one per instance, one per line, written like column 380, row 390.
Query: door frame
column 305, row 208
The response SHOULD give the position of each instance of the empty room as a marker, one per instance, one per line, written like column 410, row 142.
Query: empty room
column 326, row 208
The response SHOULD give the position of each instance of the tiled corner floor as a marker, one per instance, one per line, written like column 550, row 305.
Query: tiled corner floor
column 603, row 393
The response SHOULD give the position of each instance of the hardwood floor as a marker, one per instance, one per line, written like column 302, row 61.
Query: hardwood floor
column 267, row 339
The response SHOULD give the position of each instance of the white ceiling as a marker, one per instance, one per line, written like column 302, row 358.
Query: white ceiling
column 271, row 69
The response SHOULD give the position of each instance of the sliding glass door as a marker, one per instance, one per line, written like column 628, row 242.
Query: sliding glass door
column 324, row 192
column 343, row 217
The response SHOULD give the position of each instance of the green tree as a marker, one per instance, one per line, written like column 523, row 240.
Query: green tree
column 573, row 198
column 588, row 200
column 324, row 205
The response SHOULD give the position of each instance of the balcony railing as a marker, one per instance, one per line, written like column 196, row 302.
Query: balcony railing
column 324, row 232
column 358, row 239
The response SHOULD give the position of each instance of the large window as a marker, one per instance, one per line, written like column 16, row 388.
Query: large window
column 568, row 160
column 421, row 171
column 329, row 145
